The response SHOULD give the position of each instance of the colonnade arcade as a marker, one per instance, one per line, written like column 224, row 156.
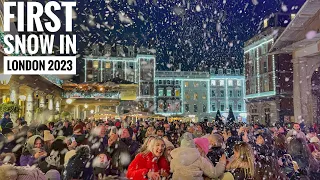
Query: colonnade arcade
column 38, row 99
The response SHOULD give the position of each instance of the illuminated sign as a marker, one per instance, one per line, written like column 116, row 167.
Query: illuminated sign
column 109, row 95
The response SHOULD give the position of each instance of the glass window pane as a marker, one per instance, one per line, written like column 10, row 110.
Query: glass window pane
column 221, row 82
column 213, row 82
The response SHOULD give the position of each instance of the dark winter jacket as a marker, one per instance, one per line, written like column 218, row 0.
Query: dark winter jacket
column 98, row 145
column 231, row 141
column 120, row 157
column 67, row 131
column 5, row 121
column 132, row 145
column 215, row 154
column 77, row 167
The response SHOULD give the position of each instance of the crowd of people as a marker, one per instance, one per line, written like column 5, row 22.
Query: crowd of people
column 147, row 149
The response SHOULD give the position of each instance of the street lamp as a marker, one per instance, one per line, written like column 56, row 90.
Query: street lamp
column 86, row 106
column 5, row 79
column 69, row 101
column 92, row 111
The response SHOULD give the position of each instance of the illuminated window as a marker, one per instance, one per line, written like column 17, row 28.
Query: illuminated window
column 204, row 96
column 238, row 82
column 230, row 82
column 195, row 96
column 187, row 95
column 160, row 92
column 95, row 64
column 221, row 83
column 186, row 84
column 168, row 92
column 213, row 82
column 293, row 16
column 108, row 65
column 265, row 23
column 177, row 92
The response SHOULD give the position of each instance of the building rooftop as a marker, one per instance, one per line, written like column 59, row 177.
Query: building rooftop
column 295, row 30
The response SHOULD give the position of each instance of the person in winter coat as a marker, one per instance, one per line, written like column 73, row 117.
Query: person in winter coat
column 55, row 160
column 188, row 164
column 33, row 152
column 300, row 153
column 132, row 145
column 120, row 156
column 241, row 164
column 267, row 166
column 169, row 148
column 216, row 151
column 77, row 167
column 5, row 120
column 100, row 166
column 147, row 165
column 9, row 172
column 99, row 142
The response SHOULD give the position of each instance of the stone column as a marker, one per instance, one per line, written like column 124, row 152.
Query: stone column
column 50, row 102
column 301, row 90
column 14, row 93
column 58, row 104
column 14, row 97
column 76, row 112
column 42, row 100
column 96, row 108
column 84, row 113
column 29, row 106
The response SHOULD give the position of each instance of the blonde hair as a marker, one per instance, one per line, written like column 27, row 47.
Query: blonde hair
column 145, row 144
column 152, row 143
column 150, row 131
column 245, row 160
column 215, row 140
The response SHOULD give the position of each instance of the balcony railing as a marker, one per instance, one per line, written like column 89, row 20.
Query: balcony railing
column 182, row 74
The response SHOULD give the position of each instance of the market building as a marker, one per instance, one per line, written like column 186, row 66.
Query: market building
column 268, row 76
column 301, row 38
column 198, row 95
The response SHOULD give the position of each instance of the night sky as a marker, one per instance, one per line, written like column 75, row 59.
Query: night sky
column 198, row 34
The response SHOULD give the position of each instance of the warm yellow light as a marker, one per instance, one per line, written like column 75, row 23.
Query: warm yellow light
column 69, row 101
column 22, row 97
column 86, row 106
column 265, row 23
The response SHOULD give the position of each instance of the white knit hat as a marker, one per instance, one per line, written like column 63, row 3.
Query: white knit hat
column 314, row 139
column 168, row 143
